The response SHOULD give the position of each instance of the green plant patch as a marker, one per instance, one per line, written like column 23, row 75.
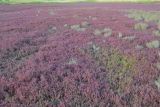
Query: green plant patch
column 156, row 32
column 158, row 65
column 13, row 58
column 80, row 27
column 146, row 16
column 97, row 32
column 70, row 1
column 139, row 47
column 55, row 102
column 76, row 26
column 106, row 32
column 157, row 83
column 130, row 38
column 92, row 18
column 85, row 24
column 120, row 68
column 153, row 44
column 141, row 26
column 80, row 101
column 158, row 25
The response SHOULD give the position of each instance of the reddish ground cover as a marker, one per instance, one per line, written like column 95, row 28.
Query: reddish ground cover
column 77, row 55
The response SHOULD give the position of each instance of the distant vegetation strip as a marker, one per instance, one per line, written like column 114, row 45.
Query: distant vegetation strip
column 63, row 1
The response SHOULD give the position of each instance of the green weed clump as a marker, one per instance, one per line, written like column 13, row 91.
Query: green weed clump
column 141, row 26
column 120, row 68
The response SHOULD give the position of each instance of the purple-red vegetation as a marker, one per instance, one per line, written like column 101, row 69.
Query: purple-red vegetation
column 46, row 64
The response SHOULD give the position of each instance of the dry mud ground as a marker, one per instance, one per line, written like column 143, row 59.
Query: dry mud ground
column 78, row 55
